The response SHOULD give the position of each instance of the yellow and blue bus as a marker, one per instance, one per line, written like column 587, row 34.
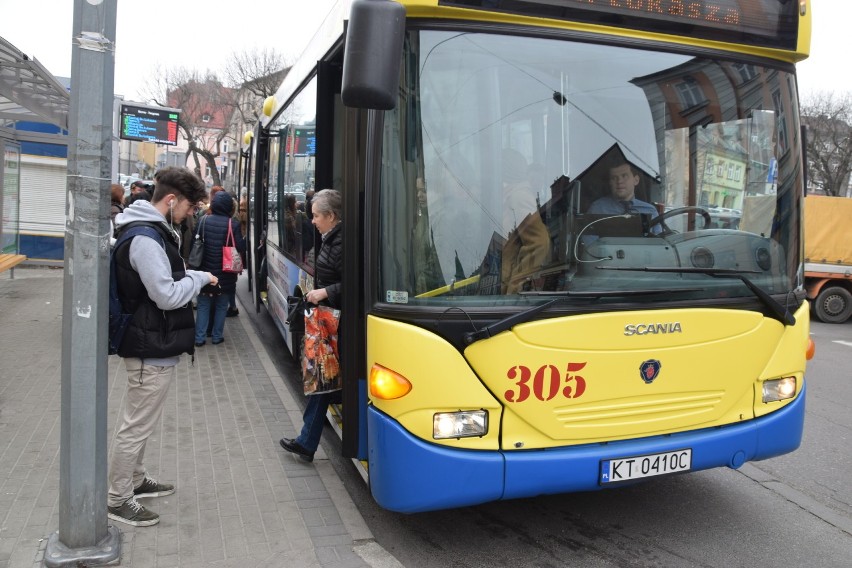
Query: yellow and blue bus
column 517, row 321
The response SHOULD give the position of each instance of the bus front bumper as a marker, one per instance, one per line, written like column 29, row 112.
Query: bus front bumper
column 410, row 475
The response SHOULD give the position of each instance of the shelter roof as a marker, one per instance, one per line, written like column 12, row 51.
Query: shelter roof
column 28, row 91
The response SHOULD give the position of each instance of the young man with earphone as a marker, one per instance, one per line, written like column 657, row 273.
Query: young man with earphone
column 155, row 286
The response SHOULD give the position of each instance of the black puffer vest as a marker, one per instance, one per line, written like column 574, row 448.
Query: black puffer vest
column 153, row 333
column 329, row 265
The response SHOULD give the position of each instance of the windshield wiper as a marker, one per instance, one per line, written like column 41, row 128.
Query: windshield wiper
column 527, row 315
column 781, row 313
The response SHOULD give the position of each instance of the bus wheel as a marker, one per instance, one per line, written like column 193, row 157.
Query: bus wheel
column 833, row 305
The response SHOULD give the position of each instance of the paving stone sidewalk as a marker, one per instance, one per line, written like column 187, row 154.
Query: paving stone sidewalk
column 240, row 502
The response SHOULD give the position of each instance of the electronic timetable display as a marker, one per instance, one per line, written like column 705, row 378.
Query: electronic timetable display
column 753, row 22
column 303, row 141
column 149, row 124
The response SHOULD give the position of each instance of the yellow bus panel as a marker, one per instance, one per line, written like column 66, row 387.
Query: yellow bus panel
column 580, row 379
column 438, row 374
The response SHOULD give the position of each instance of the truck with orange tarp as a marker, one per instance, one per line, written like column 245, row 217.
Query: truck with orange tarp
column 828, row 257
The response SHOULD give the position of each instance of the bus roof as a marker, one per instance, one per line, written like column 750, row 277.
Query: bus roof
column 331, row 31
column 329, row 34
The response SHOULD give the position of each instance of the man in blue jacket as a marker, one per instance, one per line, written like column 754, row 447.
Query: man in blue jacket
column 153, row 285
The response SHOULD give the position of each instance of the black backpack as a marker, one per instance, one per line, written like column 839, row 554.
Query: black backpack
column 118, row 318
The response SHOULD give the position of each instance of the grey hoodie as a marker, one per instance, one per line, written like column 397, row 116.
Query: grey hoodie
column 149, row 260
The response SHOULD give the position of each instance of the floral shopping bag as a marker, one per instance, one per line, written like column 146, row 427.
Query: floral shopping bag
column 320, row 363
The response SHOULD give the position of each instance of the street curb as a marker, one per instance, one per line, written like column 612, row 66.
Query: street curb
column 366, row 546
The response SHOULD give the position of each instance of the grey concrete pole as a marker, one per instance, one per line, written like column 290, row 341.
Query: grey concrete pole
column 84, row 538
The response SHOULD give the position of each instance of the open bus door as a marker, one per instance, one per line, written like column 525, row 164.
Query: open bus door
column 353, row 350
column 369, row 80
column 340, row 166
column 257, row 212
column 243, row 177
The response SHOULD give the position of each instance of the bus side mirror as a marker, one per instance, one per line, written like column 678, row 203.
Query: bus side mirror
column 373, row 54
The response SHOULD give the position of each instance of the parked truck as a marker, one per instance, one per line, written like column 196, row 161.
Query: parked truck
column 828, row 257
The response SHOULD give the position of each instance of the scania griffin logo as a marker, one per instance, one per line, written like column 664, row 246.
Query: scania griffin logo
column 650, row 370
column 646, row 328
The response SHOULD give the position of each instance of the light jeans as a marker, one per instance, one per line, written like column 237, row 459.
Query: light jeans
column 147, row 387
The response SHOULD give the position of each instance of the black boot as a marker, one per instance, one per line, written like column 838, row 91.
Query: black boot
column 294, row 447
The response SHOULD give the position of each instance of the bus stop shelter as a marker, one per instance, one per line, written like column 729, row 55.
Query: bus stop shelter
column 28, row 93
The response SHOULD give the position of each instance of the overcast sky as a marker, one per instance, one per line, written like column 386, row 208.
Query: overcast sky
column 165, row 33
column 201, row 35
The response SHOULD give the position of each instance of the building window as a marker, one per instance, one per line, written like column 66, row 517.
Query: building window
column 205, row 117
column 747, row 72
column 690, row 92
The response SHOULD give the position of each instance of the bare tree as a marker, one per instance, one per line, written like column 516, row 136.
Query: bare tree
column 256, row 74
column 828, row 117
column 212, row 110
column 206, row 107
column 257, row 71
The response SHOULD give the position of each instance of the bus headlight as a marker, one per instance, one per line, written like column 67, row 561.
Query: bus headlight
column 462, row 424
column 779, row 389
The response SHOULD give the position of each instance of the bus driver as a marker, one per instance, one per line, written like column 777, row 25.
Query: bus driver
column 623, row 179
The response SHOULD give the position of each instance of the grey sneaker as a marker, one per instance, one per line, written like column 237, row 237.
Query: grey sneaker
column 151, row 488
column 133, row 513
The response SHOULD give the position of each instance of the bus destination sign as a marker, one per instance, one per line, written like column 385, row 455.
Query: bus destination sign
column 771, row 24
column 149, row 124
column 711, row 12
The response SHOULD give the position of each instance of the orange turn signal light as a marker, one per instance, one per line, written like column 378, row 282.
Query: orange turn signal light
column 386, row 384
column 809, row 352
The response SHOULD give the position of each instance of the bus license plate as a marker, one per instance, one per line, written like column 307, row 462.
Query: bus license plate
column 637, row 467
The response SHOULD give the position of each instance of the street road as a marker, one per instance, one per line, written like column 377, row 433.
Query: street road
column 793, row 511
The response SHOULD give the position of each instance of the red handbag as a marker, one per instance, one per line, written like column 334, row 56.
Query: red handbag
column 231, row 259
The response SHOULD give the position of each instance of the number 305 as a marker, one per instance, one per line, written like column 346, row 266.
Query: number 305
column 547, row 382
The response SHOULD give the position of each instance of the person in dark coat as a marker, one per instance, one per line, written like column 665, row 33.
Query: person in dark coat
column 232, row 295
column 327, row 209
column 116, row 203
column 116, row 206
column 213, row 300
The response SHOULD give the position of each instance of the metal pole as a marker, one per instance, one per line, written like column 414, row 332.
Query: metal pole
column 84, row 537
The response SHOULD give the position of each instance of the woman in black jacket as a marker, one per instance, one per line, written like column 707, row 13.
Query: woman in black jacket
column 327, row 209
column 214, row 232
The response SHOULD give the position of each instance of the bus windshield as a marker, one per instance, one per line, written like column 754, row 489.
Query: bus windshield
column 516, row 169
